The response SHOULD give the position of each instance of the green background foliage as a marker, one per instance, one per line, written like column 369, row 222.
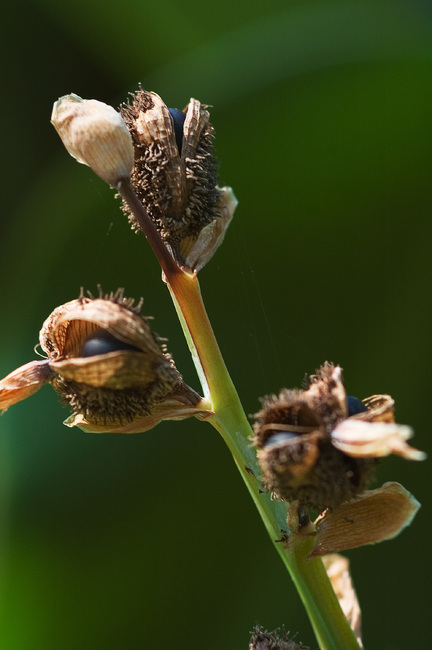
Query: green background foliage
column 322, row 114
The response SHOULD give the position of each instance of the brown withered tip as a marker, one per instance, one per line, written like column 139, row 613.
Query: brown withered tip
column 106, row 363
column 337, row 568
column 175, row 176
column 319, row 446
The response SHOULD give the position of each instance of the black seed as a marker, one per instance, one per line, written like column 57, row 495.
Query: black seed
column 102, row 342
column 279, row 438
column 355, row 405
column 178, row 118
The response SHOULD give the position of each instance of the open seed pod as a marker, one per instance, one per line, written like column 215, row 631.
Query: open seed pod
column 175, row 176
column 104, row 360
column 319, row 446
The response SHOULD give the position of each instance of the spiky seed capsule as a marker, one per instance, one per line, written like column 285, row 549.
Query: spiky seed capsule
column 175, row 177
column 295, row 450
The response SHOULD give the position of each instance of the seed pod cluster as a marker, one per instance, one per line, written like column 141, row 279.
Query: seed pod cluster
column 319, row 446
column 175, row 176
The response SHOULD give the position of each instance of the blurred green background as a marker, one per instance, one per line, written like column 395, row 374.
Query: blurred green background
column 322, row 113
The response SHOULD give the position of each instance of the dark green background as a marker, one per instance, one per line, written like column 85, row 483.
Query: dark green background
column 323, row 118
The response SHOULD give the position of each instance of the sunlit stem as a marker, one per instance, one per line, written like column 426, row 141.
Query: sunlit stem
column 330, row 625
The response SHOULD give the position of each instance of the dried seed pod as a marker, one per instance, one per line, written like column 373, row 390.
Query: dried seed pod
column 96, row 135
column 125, row 382
column 175, row 176
column 311, row 449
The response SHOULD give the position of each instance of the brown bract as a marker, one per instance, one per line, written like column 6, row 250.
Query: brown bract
column 337, row 568
column 312, row 451
column 374, row 516
column 127, row 385
column 178, row 188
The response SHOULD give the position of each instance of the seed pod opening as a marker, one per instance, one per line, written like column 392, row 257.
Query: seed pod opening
column 107, row 364
column 312, row 449
column 175, row 176
column 120, row 383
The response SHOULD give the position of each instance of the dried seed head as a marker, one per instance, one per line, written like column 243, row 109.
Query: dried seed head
column 96, row 135
column 107, row 364
column 175, row 176
column 318, row 447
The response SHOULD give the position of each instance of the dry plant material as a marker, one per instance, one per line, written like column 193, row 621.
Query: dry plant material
column 175, row 177
column 319, row 447
column 107, row 364
column 275, row 640
column 373, row 517
column 96, row 135
column 337, row 568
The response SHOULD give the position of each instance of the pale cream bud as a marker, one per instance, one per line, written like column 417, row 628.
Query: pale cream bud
column 96, row 135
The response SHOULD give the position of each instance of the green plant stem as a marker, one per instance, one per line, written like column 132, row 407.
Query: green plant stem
column 330, row 625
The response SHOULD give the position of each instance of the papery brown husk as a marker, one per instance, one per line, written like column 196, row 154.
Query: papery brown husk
column 373, row 517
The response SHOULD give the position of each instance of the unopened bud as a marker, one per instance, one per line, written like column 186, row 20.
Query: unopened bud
column 96, row 135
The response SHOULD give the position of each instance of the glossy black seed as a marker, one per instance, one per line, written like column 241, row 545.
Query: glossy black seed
column 355, row 405
column 279, row 438
column 178, row 118
column 102, row 342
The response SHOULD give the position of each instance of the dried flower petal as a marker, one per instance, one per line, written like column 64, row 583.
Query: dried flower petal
column 337, row 568
column 373, row 517
column 23, row 382
column 169, row 409
column 197, row 251
column 374, row 439
column 96, row 135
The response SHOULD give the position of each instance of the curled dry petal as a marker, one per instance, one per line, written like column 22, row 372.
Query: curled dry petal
column 96, row 135
column 169, row 409
column 23, row 382
column 360, row 439
column 337, row 568
column 198, row 251
column 373, row 517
